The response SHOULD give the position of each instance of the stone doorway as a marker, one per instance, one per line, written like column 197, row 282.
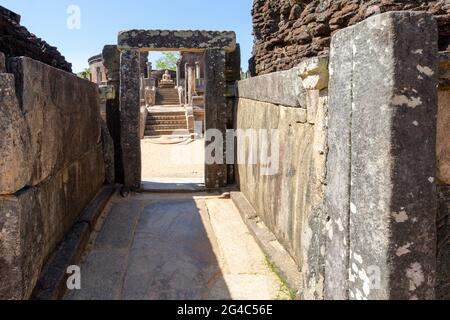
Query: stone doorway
column 172, row 121
column 217, row 48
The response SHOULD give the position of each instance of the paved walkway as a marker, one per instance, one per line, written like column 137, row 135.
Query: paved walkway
column 175, row 246
column 173, row 163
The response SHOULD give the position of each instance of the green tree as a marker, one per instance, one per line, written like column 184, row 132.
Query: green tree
column 86, row 74
column 168, row 61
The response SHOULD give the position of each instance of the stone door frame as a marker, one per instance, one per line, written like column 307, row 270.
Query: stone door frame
column 215, row 46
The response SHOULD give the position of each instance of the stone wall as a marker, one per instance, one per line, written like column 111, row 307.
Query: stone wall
column 16, row 41
column 288, row 199
column 51, row 167
column 354, row 198
column 288, row 31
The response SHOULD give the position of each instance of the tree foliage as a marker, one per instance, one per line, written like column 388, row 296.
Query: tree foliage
column 168, row 61
column 86, row 74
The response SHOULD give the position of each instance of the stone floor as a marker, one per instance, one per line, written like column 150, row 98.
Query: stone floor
column 175, row 246
column 170, row 163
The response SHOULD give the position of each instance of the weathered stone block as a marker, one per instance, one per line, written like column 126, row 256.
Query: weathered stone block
column 15, row 146
column 314, row 73
column 233, row 65
column 289, row 201
column 391, row 247
column 284, row 88
column 181, row 39
column 216, row 117
column 338, row 167
column 130, row 118
column 2, row 63
column 20, row 245
column 62, row 114
column 35, row 220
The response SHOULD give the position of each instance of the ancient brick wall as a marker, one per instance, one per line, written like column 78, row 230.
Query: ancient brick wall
column 16, row 41
column 288, row 31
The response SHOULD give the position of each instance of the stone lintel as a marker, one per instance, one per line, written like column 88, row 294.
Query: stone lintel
column 186, row 40
column 282, row 88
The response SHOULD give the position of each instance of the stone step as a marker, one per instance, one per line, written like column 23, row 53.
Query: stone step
column 165, row 127
column 166, row 115
column 152, row 133
column 165, row 122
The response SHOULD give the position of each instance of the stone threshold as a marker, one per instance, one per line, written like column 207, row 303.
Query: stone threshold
column 52, row 281
column 266, row 240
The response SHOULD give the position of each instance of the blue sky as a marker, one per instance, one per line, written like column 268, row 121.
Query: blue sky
column 102, row 19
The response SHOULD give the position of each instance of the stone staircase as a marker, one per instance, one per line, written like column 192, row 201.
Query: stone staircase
column 167, row 96
column 165, row 123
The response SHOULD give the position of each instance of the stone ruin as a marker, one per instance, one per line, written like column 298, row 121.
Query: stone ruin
column 16, row 41
column 289, row 31
column 360, row 201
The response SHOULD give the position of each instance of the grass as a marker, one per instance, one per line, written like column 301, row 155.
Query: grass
column 284, row 286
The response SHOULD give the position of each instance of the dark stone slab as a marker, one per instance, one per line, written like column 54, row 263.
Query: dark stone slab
column 61, row 111
column 16, row 162
column 338, row 167
column 130, row 118
column 216, row 116
column 111, row 61
column 172, row 257
column 118, row 229
column 2, row 62
column 108, row 154
column 20, row 256
column 171, row 40
column 233, row 65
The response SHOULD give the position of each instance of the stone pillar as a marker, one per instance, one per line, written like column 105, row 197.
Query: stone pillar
column 130, row 118
column 191, row 82
column 232, row 74
column 314, row 75
column 111, row 61
column 215, row 113
column 178, row 73
column 186, row 84
column 382, row 160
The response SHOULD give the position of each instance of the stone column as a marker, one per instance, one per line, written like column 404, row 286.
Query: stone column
column 232, row 74
column 382, row 160
column 314, row 75
column 178, row 73
column 130, row 118
column 186, row 84
column 111, row 61
column 216, row 112
column 191, row 82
